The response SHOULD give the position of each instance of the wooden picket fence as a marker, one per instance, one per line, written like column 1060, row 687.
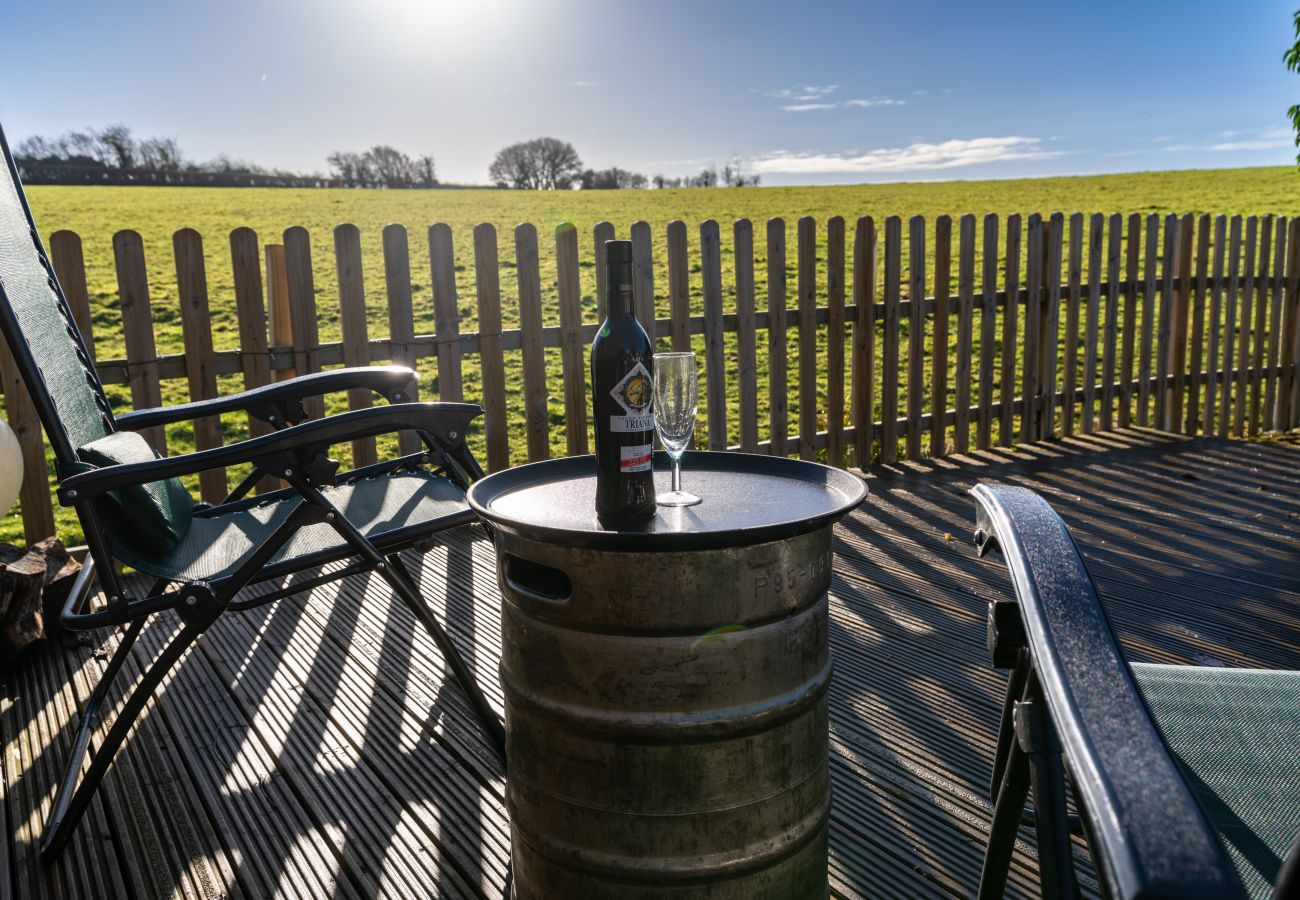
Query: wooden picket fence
column 1187, row 324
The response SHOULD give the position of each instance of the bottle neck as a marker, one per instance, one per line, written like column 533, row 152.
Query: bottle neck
column 619, row 290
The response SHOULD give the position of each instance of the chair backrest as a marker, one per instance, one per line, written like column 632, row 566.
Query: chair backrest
column 41, row 333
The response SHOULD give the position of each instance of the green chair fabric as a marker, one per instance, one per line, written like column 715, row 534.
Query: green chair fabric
column 1235, row 734
column 143, row 521
column 220, row 540
column 46, row 325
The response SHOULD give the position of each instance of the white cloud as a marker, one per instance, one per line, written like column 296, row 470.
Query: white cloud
column 806, row 92
column 808, row 107
column 915, row 157
column 1259, row 144
column 875, row 101
column 1262, row 139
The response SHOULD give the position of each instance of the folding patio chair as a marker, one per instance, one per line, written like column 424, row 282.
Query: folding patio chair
column 1186, row 778
column 133, row 508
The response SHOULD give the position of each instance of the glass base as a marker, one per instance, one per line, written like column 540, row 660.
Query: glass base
column 677, row 498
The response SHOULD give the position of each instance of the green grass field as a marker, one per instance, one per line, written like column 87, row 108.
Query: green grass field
column 156, row 213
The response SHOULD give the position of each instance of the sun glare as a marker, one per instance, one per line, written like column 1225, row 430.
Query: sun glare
column 453, row 30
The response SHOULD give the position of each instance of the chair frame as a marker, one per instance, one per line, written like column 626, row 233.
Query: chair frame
column 297, row 452
column 1072, row 705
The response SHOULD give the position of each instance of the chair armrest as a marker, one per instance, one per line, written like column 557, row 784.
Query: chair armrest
column 1146, row 830
column 279, row 403
column 445, row 423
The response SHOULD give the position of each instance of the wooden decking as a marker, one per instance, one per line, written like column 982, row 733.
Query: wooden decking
column 310, row 748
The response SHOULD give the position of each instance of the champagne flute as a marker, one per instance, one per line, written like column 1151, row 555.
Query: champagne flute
column 676, row 399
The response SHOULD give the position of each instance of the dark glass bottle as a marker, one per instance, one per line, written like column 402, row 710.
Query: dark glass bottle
column 622, row 394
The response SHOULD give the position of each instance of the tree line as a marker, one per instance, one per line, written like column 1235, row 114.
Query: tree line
column 114, row 155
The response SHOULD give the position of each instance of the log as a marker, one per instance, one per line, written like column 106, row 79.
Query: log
column 34, row 584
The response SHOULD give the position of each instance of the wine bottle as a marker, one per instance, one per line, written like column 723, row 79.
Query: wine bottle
column 622, row 360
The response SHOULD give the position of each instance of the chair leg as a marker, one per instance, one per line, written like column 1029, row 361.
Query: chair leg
column 70, row 804
column 1037, row 738
column 1006, row 824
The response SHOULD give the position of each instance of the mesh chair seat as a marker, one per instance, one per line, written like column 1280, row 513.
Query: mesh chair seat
column 218, row 542
column 1236, row 735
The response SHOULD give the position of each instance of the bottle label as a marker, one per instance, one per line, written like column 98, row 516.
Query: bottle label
column 635, row 459
column 634, row 393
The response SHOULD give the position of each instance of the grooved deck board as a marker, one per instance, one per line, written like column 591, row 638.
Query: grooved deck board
column 311, row 748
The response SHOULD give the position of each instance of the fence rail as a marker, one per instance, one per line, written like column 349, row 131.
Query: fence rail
column 1069, row 325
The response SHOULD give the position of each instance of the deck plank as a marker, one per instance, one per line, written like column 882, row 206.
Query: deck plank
column 314, row 748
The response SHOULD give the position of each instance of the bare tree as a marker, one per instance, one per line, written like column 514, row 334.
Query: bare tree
column 733, row 174
column 427, row 171
column 119, row 146
column 611, row 179
column 539, row 164
column 163, row 154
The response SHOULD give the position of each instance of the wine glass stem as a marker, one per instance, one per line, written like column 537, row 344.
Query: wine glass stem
column 677, row 473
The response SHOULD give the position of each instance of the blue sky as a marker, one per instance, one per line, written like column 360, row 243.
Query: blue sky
column 814, row 93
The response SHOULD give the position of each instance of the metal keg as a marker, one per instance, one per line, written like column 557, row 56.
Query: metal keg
column 666, row 691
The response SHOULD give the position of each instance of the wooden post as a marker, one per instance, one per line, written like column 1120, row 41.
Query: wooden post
column 1229, row 326
column 1091, row 323
column 255, row 355
column 70, row 269
column 1029, row 391
column 1243, row 333
column 1164, row 326
column 778, row 403
column 491, row 358
column 602, row 232
column 679, row 288
column 1182, row 316
column 939, row 354
column 301, row 287
column 200, row 363
column 915, row 334
column 1214, row 328
column 536, row 412
column 1132, row 255
column 1260, row 312
column 1009, row 316
column 643, row 279
column 137, row 330
column 1275, row 326
column 988, row 334
column 352, row 318
column 1074, row 281
column 280, row 315
column 807, row 303
column 864, row 339
column 1288, row 394
column 401, row 318
column 1148, row 322
column 746, row 336
column 1114, row 254
column 714, row 366
column 34, row 494
column 446, row 312
column 965, row 330
column 889, row 361
column 835, row 341
column 1051, row 326
column 573, row 357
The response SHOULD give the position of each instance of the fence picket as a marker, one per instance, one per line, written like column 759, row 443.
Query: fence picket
column 70, row 269
column 1289, row 388
column 250, row 310
column 679, row 288
column 1182, row 315
column 746, row 351
column 864, row 339
column 965, row 331
column 536, row 413
column 778, row 403
column 1243, row 330
column 34, row 492
column 889, row 379
column 1259, row 315
column 573, row 356
column 446, row 312
column 1229, row 326
column 643, row 278
column 301, row 285
column 1010, row 314
column 714, row 362
column 1092, row 318
column 1197, row 371
column 1148, row 321
column 1114, row 253
column 352, row 319
column 401, row 316
column 1033, row 319
column 137, row 330
column 835, row 341
column 196, row 331
column 1275, row 325
column 487, row 282
column 1073, row 297
column 1164, row 320
column 601, row 232
column 1214, row 328
column 806, row 302
column 988, row 332
column 1133, row 240
column 939, row 354
column 915, row 334
column 1051, row 329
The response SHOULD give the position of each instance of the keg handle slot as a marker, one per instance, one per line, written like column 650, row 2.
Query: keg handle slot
column 536, row 581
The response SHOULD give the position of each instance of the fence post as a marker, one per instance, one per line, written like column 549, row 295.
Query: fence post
column 70, row 270
column 1051, row 326
column 1229, row 325
column 137, row 330
column 679, row 288
column 889, row 351
column 491, row 360
column 988, row 334
column 352, row 318
column 536, row 414
column 446, row 312
column 200, row 364
column 835, row 341
column 1010, row 315
column 1148, row 321
column 1275, row 326
column 1030, row 390
column 255, row 357
column 714, row 367
column 572, row 355
column 602, row 232
column 1212, row 371
column 915, row 334
column 965, row 330
column 1165, row 326
column 1073, row 300
column 643, row 278
column 1182, row 315
column 1290, row 400
column 300, row 286
column 778, row 402
column 1243, row 332
column 864, row 339
column 746, row 351
column 1132, row 255
column 401, row 317
column 939, row 354
column 1114, row 252
column 807, row 305
column 1259, row 314
column 1092, row 322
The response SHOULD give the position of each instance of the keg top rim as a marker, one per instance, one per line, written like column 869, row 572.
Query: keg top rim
column 747, row 499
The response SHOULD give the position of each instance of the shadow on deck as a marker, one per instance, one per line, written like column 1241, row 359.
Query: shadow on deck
column 310, row 749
